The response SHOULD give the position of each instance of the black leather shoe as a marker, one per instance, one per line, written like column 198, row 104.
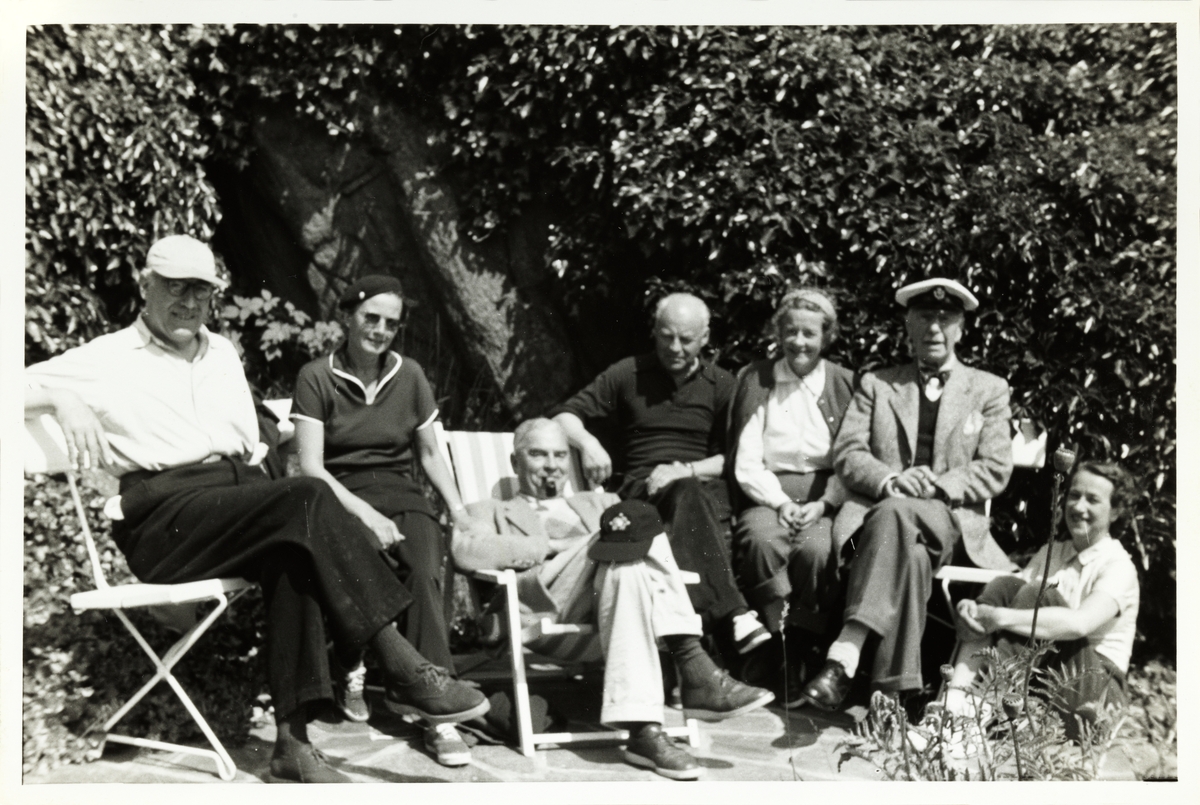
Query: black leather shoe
column 436, row 697
column 828, row 689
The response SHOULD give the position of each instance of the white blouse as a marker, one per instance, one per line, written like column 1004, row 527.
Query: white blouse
column 1103, row 567
column 787, row 434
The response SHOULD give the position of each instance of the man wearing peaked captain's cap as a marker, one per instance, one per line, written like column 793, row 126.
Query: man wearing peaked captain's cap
column 922, row 448
column 937, row 292
column 590, row 557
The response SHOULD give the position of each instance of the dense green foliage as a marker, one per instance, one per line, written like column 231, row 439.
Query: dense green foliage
column 274, row 339
column 1053, row 744
column 1035, row 163
column 114, row 161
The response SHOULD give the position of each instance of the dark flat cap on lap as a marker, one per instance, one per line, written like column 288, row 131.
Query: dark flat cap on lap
column 626, row 531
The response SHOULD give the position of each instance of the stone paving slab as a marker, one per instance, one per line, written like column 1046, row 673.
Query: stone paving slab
column 759, row 746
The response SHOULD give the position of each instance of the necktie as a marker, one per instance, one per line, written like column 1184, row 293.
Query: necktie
column 933, row 382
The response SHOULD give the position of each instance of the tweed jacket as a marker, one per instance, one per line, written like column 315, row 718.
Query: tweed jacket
column 754, row 385
column 519, row 541
column 972, row 448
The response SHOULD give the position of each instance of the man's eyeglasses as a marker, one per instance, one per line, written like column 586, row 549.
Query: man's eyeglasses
column 200, row 289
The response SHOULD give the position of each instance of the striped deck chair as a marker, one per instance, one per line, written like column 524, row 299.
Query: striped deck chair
column 482, row 467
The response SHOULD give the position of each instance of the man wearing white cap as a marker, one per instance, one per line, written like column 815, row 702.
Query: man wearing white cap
column 922, row 449
column 164, row 406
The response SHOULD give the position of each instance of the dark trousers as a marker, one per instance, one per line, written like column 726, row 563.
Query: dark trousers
column 693, row 512
column 902, row 542
column 314, row 561
column 420, row 559
column 777, row 565
column 1092, row 679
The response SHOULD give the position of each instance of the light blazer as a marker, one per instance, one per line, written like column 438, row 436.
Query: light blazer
column 520, row 542
column 972, row 448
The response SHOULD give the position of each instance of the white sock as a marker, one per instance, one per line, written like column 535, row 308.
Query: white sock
column 846, row 653
column 744, row 624
column 956, row 701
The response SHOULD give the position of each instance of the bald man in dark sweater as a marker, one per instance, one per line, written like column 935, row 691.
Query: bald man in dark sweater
column 669, row 408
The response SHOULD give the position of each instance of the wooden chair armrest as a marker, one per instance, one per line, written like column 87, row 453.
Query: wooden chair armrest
column 977, row 575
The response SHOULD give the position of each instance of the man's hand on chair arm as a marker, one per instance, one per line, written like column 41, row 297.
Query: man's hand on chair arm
column 87, row 444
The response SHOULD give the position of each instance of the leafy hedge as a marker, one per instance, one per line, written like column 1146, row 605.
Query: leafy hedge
column 78, row 669
column 114, row 160
column 274, row 339
column 1035, row 162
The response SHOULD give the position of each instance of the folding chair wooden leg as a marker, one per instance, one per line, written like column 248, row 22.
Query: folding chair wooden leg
column 948, row 574
column 226, row 769
column 529, row 740
column 516, row 652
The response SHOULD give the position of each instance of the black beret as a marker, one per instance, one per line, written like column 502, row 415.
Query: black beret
column 366, row 287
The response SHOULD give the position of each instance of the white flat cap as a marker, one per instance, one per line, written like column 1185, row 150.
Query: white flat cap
column 182, row 257
column 937, row 292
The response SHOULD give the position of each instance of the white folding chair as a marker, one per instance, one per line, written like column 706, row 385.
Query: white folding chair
column 45, row 453
column 1029, row 451
column 482, row 469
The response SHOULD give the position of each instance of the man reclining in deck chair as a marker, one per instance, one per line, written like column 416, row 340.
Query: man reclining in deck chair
column 590, row 557
column 164, row 405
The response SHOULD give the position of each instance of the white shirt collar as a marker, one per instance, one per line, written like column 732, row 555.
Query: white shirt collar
column 814, row 381
column 1098, row 550
column 391, row 366
column 148, row 337
column 545, row 504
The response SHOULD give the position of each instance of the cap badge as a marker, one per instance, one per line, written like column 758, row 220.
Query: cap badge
column 939, row 293
column 619, row 523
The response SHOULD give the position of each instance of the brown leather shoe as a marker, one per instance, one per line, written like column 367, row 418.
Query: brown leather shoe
column 305, row 765
column 721, row 697
column 436, row 697
column 651, row 749
column 828, row 689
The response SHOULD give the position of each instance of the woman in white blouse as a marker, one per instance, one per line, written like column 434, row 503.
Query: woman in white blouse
column 1089, row 606
column 785, row 413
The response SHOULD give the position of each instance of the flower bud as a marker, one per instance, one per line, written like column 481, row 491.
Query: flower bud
column 1064, row 459
column 947, row 672
column 1013, row 705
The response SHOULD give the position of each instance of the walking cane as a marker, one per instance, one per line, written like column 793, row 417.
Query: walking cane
column 1064, row 460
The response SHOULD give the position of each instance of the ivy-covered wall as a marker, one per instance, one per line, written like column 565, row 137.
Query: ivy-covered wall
column 596, row 168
